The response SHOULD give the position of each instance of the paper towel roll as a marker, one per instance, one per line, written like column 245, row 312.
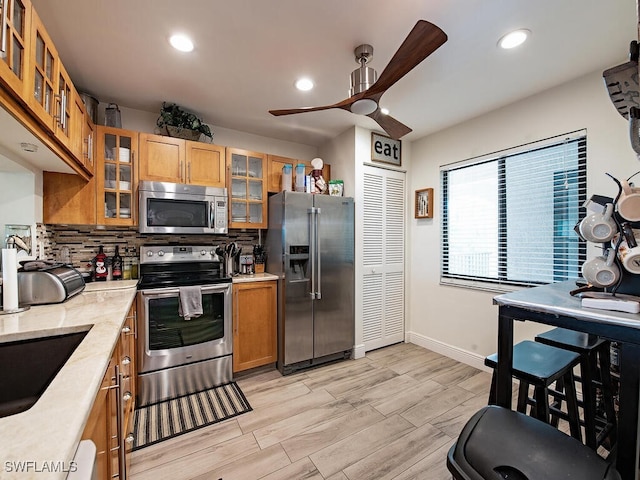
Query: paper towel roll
column 9, row 279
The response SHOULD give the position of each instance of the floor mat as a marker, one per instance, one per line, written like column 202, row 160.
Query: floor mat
column 164, row 420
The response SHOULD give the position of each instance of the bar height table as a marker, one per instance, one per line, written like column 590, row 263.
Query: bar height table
column 553, row 305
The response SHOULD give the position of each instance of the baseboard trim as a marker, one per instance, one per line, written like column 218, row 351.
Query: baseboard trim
column 359, row 351
column 469, row 358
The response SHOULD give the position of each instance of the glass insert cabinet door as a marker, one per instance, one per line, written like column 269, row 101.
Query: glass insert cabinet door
column 116, row 175
column 16, row 15
column 248, row 187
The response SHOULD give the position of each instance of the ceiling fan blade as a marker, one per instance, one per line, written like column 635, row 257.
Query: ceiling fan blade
column 393, row 127
column 424, row 39
column 344, row 104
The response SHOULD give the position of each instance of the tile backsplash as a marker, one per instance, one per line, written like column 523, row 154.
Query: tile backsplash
column 83, row 241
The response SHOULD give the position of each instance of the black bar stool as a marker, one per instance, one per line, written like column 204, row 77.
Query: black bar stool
column 541, row 366
column 595, row 374
column 500, row 443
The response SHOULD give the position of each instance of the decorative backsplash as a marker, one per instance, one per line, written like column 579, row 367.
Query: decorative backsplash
column 83, row 241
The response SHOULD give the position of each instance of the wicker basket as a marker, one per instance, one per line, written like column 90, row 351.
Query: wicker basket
column 185, row 133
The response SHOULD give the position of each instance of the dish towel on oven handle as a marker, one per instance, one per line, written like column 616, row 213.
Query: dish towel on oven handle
column 190, row 302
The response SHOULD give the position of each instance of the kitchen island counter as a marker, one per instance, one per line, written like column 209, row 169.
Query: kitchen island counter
column 40, row 443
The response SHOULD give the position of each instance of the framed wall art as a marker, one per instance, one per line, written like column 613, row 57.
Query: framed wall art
column 424, row 203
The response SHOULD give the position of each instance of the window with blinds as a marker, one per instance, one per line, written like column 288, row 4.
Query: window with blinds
column 508, row 218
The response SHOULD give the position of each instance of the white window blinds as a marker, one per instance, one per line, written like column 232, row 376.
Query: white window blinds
column 508, row 218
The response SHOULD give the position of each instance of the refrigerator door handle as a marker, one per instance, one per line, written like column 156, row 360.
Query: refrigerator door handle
column 318, row 256
column 312, row 250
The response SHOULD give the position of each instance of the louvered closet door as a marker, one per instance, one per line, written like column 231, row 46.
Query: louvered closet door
column 383, row 257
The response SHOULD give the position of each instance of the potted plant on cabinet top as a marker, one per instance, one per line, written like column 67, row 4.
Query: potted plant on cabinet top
column 175, row 122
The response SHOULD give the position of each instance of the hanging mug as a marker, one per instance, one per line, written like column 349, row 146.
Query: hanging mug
column 629, row 202
column 601, row 271
column 629, row 249
column 599, row 227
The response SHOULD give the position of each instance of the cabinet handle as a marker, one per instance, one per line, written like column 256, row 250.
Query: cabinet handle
column 130, row 438
column 126, row 361
column 120, row 419
column 127, row 396
column 61, row 117
column 188, row 172
column 4, row 4
column 126, row 329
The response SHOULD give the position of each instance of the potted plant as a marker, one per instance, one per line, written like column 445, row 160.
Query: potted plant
column 178, row 123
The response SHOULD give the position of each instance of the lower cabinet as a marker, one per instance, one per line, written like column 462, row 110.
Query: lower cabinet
column 110, row 423
column 254, row 324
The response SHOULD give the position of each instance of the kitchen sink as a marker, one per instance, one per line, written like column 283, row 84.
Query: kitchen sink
column 29, row 366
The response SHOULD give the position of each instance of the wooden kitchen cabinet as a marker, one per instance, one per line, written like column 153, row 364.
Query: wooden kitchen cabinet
column 254, row 324
column 116, row 180
column 169, row 159
column 205, row 164
column 162, row 158
column 110, row 423
column 42, row 73
column 88, row 142
column 68, row 199
column 13, row 65
column 247, row 187
column 275, row 164
column 81, row 132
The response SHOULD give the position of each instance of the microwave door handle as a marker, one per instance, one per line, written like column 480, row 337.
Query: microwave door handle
column 212, row 214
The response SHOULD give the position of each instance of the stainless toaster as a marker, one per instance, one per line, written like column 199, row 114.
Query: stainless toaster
column 49, row 285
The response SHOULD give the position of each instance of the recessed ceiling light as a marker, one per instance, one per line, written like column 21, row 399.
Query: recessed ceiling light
column 384, row 111
column 181, row 42
column 513, row 39
column 304, row 84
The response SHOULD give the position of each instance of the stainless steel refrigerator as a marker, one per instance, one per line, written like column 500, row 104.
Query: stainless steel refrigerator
column 310, row 246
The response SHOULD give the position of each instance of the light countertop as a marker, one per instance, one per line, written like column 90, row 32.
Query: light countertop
column 48, row 433
column 256, row 277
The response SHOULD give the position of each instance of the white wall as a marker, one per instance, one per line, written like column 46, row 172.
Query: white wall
column 460, row 322
column 142, row 121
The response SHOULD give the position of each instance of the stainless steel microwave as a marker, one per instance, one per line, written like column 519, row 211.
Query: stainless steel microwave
column 179, row 208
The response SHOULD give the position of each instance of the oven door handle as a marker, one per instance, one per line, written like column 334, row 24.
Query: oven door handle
column 151, row 292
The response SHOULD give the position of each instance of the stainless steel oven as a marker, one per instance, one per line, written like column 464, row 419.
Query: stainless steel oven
column 178, row 356
column 178, row 208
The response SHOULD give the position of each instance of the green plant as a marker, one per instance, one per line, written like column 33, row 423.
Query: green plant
column 172, row 114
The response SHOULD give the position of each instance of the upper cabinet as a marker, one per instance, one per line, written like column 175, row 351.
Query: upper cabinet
column 205, row 164
column 274, row 183
column 116, row 155
column 42, row 76
column 16, row 15
column 168, row 159
column 247, row 186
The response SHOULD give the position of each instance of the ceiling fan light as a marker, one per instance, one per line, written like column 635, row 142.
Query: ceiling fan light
column 384, row 111
column 304, row 84
column 514, row 39
column 181, row 42
column 364, row 106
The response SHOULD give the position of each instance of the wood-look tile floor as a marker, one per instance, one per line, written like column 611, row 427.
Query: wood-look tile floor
column 391, row 415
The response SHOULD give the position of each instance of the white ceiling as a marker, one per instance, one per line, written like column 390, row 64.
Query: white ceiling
column 248, row 54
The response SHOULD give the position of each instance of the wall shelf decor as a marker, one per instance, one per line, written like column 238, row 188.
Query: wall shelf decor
column 424, row 203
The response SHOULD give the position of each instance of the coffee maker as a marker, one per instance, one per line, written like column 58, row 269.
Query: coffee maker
column 246, row 264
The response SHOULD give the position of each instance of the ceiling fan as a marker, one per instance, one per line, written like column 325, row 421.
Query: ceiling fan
column 424, row 39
